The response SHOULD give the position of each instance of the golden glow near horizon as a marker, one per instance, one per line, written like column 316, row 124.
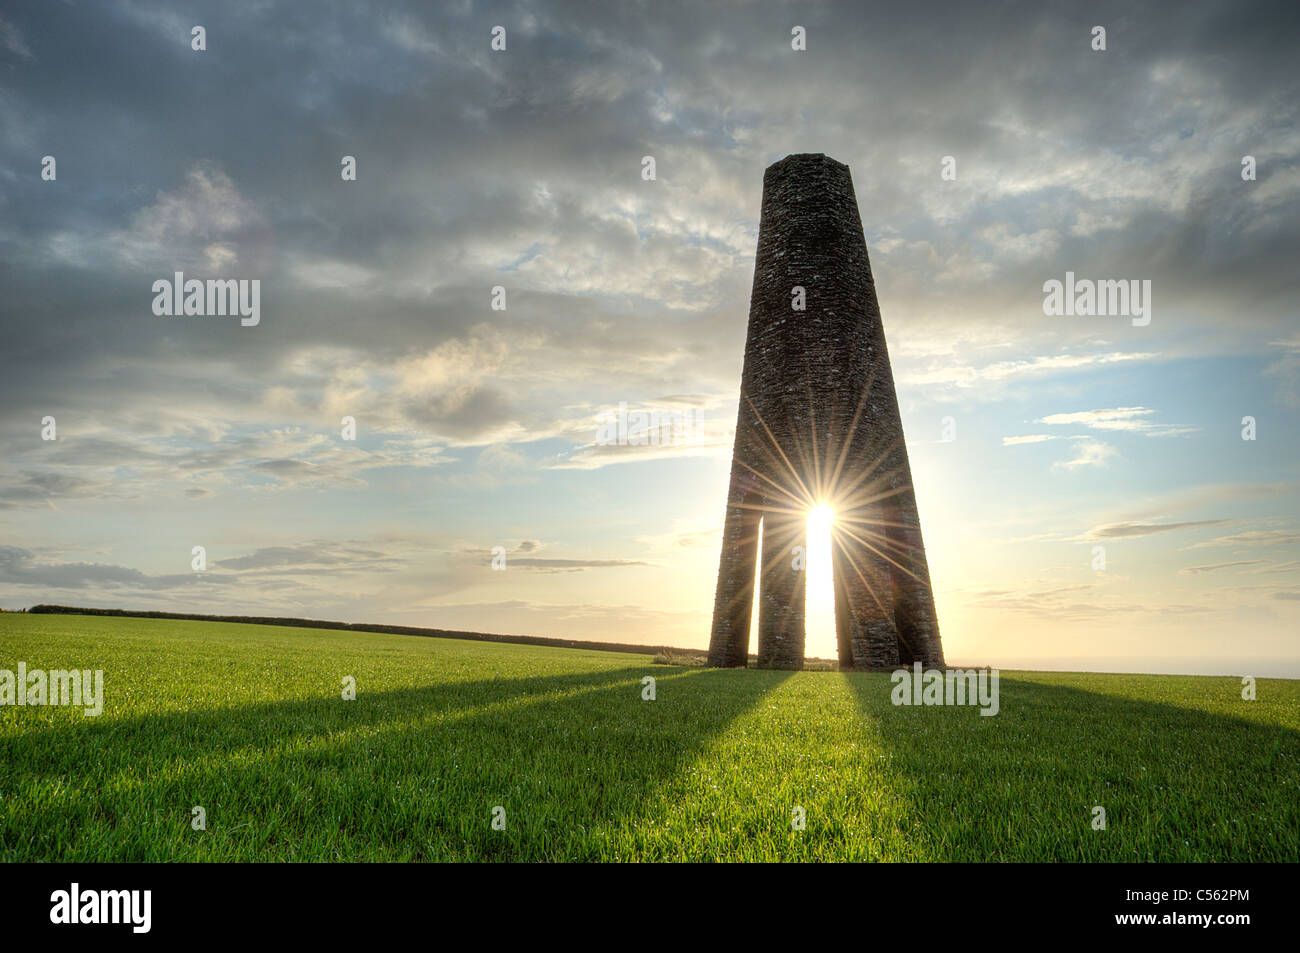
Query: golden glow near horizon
column 819, row 605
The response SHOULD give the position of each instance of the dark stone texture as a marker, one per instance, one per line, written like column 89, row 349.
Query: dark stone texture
column 819, row 423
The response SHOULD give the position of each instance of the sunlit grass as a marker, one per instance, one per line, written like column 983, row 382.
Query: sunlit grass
column 248, row 722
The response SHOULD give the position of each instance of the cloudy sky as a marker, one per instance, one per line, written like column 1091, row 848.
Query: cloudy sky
column 478, row 428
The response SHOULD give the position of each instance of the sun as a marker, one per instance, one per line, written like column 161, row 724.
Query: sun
column 819, row 601
column 820, row 518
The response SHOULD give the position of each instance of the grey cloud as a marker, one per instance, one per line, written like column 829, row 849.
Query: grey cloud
column 479, row 412
column 554, row 564
column 523, row 170
column 19, row 567
column 442, row 206
column 320, row 554
column 543, row 563
column 39, row 488
column 1132, row 529
column 1197, row 570
column 1257, row 537
column 13, row 41
column 91, row 466
column 514, row 559
column 1292, row 566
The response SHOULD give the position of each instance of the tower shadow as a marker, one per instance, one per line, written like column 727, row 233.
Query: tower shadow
column 412, row 774
column 1176, row 783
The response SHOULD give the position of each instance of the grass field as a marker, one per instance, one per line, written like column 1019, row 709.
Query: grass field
column 247, row 721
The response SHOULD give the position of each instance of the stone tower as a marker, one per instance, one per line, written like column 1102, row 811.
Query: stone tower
column 819, row 424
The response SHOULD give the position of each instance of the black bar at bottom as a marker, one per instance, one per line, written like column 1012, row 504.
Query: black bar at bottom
column 329, row 903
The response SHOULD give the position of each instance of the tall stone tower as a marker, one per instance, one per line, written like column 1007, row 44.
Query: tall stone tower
column 819, row 424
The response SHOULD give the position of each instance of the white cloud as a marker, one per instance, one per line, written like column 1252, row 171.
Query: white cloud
column 206, row 225
column 1087, row 453
column 965, row 376
column 1128, row 419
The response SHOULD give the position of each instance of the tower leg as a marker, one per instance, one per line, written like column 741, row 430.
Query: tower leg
column 729, row 641
column 781, row 588
column 914, row 612
column 864, row 595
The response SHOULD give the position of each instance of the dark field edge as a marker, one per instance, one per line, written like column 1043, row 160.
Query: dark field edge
column 544, row 641
column 364, row 627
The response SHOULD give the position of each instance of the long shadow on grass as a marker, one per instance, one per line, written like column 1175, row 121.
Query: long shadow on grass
column 407, row 774
column 222, row 729
column 1177, row 784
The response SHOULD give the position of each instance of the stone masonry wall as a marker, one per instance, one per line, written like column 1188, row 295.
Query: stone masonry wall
column 819, row 422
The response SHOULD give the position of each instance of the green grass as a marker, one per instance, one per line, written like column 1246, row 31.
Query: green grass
column 248, row 722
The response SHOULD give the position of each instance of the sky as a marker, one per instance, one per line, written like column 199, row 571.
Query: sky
column 1034, row 438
